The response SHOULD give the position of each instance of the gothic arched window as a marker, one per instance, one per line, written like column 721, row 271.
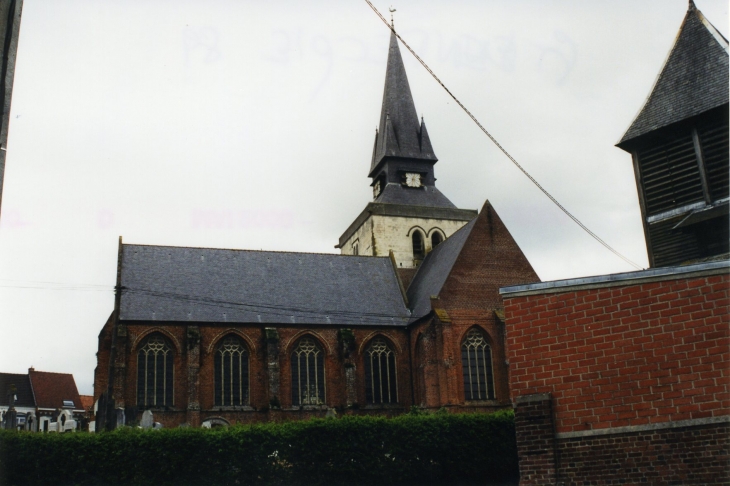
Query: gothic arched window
column 436, row 239
column 231, row 373
column 307, row 373
column 381, row 383
column 476, row 362
column 155, row 373
column 419, row 252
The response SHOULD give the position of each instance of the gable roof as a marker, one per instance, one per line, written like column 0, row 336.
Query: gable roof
column 471, row 265
column 434, row 271
column 51, row 389
column 399, row 134
column 694, row 78
column 166, row 283
column 23, row 390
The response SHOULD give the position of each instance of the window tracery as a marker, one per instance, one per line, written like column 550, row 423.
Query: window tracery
column 381, row 381
column 155, row 372
column 476, row 361
column 307, row 373
column 231, row 373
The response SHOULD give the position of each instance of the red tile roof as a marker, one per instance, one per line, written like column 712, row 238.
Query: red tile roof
column 87, row 401
column 51, row 389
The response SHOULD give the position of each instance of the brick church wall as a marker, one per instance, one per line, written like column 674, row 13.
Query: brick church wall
column 264, row 406
column 637, row 371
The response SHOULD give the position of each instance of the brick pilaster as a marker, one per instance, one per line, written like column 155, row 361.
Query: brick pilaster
column 193, row 362
column 535, row 439
column 272, row 366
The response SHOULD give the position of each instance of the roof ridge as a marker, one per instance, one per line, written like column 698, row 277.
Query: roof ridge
column 50, row 372
column 713, row 30
column 148, row 245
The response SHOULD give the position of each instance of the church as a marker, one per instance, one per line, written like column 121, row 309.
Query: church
column 409, row 314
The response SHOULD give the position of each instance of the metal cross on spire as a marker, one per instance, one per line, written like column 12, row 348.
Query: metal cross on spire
column 391, row 10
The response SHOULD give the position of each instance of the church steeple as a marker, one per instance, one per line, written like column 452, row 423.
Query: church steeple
column 399, row 134
column 408, row 215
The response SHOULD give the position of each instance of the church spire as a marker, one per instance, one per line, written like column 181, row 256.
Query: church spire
column 400, row 134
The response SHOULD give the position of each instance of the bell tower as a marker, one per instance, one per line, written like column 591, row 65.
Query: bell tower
column 408, row 214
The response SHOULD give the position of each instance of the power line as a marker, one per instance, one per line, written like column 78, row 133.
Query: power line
column 504, row 151
column 263, row 308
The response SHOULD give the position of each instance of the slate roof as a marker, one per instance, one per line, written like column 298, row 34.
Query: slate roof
column 425, row 196
column 694, row 78
column 434, row 271
column 24, row 392
column 51, row 389
column 214, row 285
column 399, row 134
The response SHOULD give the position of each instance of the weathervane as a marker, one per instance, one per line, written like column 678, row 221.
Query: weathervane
column 391, row 9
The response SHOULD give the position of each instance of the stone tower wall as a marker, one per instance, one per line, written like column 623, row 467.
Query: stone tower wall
column 379, row 234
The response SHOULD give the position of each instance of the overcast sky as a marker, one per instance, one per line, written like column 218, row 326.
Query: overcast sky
column 241, row 124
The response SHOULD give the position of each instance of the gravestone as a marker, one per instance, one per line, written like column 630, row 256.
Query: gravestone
column 119, row 413
column 148, row 420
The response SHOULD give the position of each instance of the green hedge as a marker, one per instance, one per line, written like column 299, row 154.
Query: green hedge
column 410, row 449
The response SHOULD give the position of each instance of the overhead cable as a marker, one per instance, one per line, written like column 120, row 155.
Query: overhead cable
column 504, row 151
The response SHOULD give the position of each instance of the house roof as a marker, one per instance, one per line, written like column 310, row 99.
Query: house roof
column 694, row 78
column 434, row 271
column 52, row 389
column 87, row 402
column 166, row 283
column 399, row 134
column 24, row 392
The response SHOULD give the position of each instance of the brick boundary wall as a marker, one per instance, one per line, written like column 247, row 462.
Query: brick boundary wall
column 637, row 369
column 682, row 455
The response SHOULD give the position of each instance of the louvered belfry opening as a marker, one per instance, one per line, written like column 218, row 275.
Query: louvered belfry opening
column 155, row 371
column 307, row 373
column 231, row 373
column 381, row 380
column 714, row 141
column 684, row 179
column 670, row 174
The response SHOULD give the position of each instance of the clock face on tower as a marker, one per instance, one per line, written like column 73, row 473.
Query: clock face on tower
column 413, row 179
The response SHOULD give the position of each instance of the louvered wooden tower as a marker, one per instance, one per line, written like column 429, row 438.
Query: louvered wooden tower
column 679, row 146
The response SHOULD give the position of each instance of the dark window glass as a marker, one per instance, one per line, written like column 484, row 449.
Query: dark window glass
column 231, row 373
column 418, row 250
column 436, row 239
column 307, row 373
column 155, row 373
column 476, row 362
column 381, row 382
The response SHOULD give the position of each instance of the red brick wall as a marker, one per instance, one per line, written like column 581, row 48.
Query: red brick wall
column 620, row 356
column 637, row 377
column 103, row 354
column 688, row 455
column 210, row 334
column 489, row 259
